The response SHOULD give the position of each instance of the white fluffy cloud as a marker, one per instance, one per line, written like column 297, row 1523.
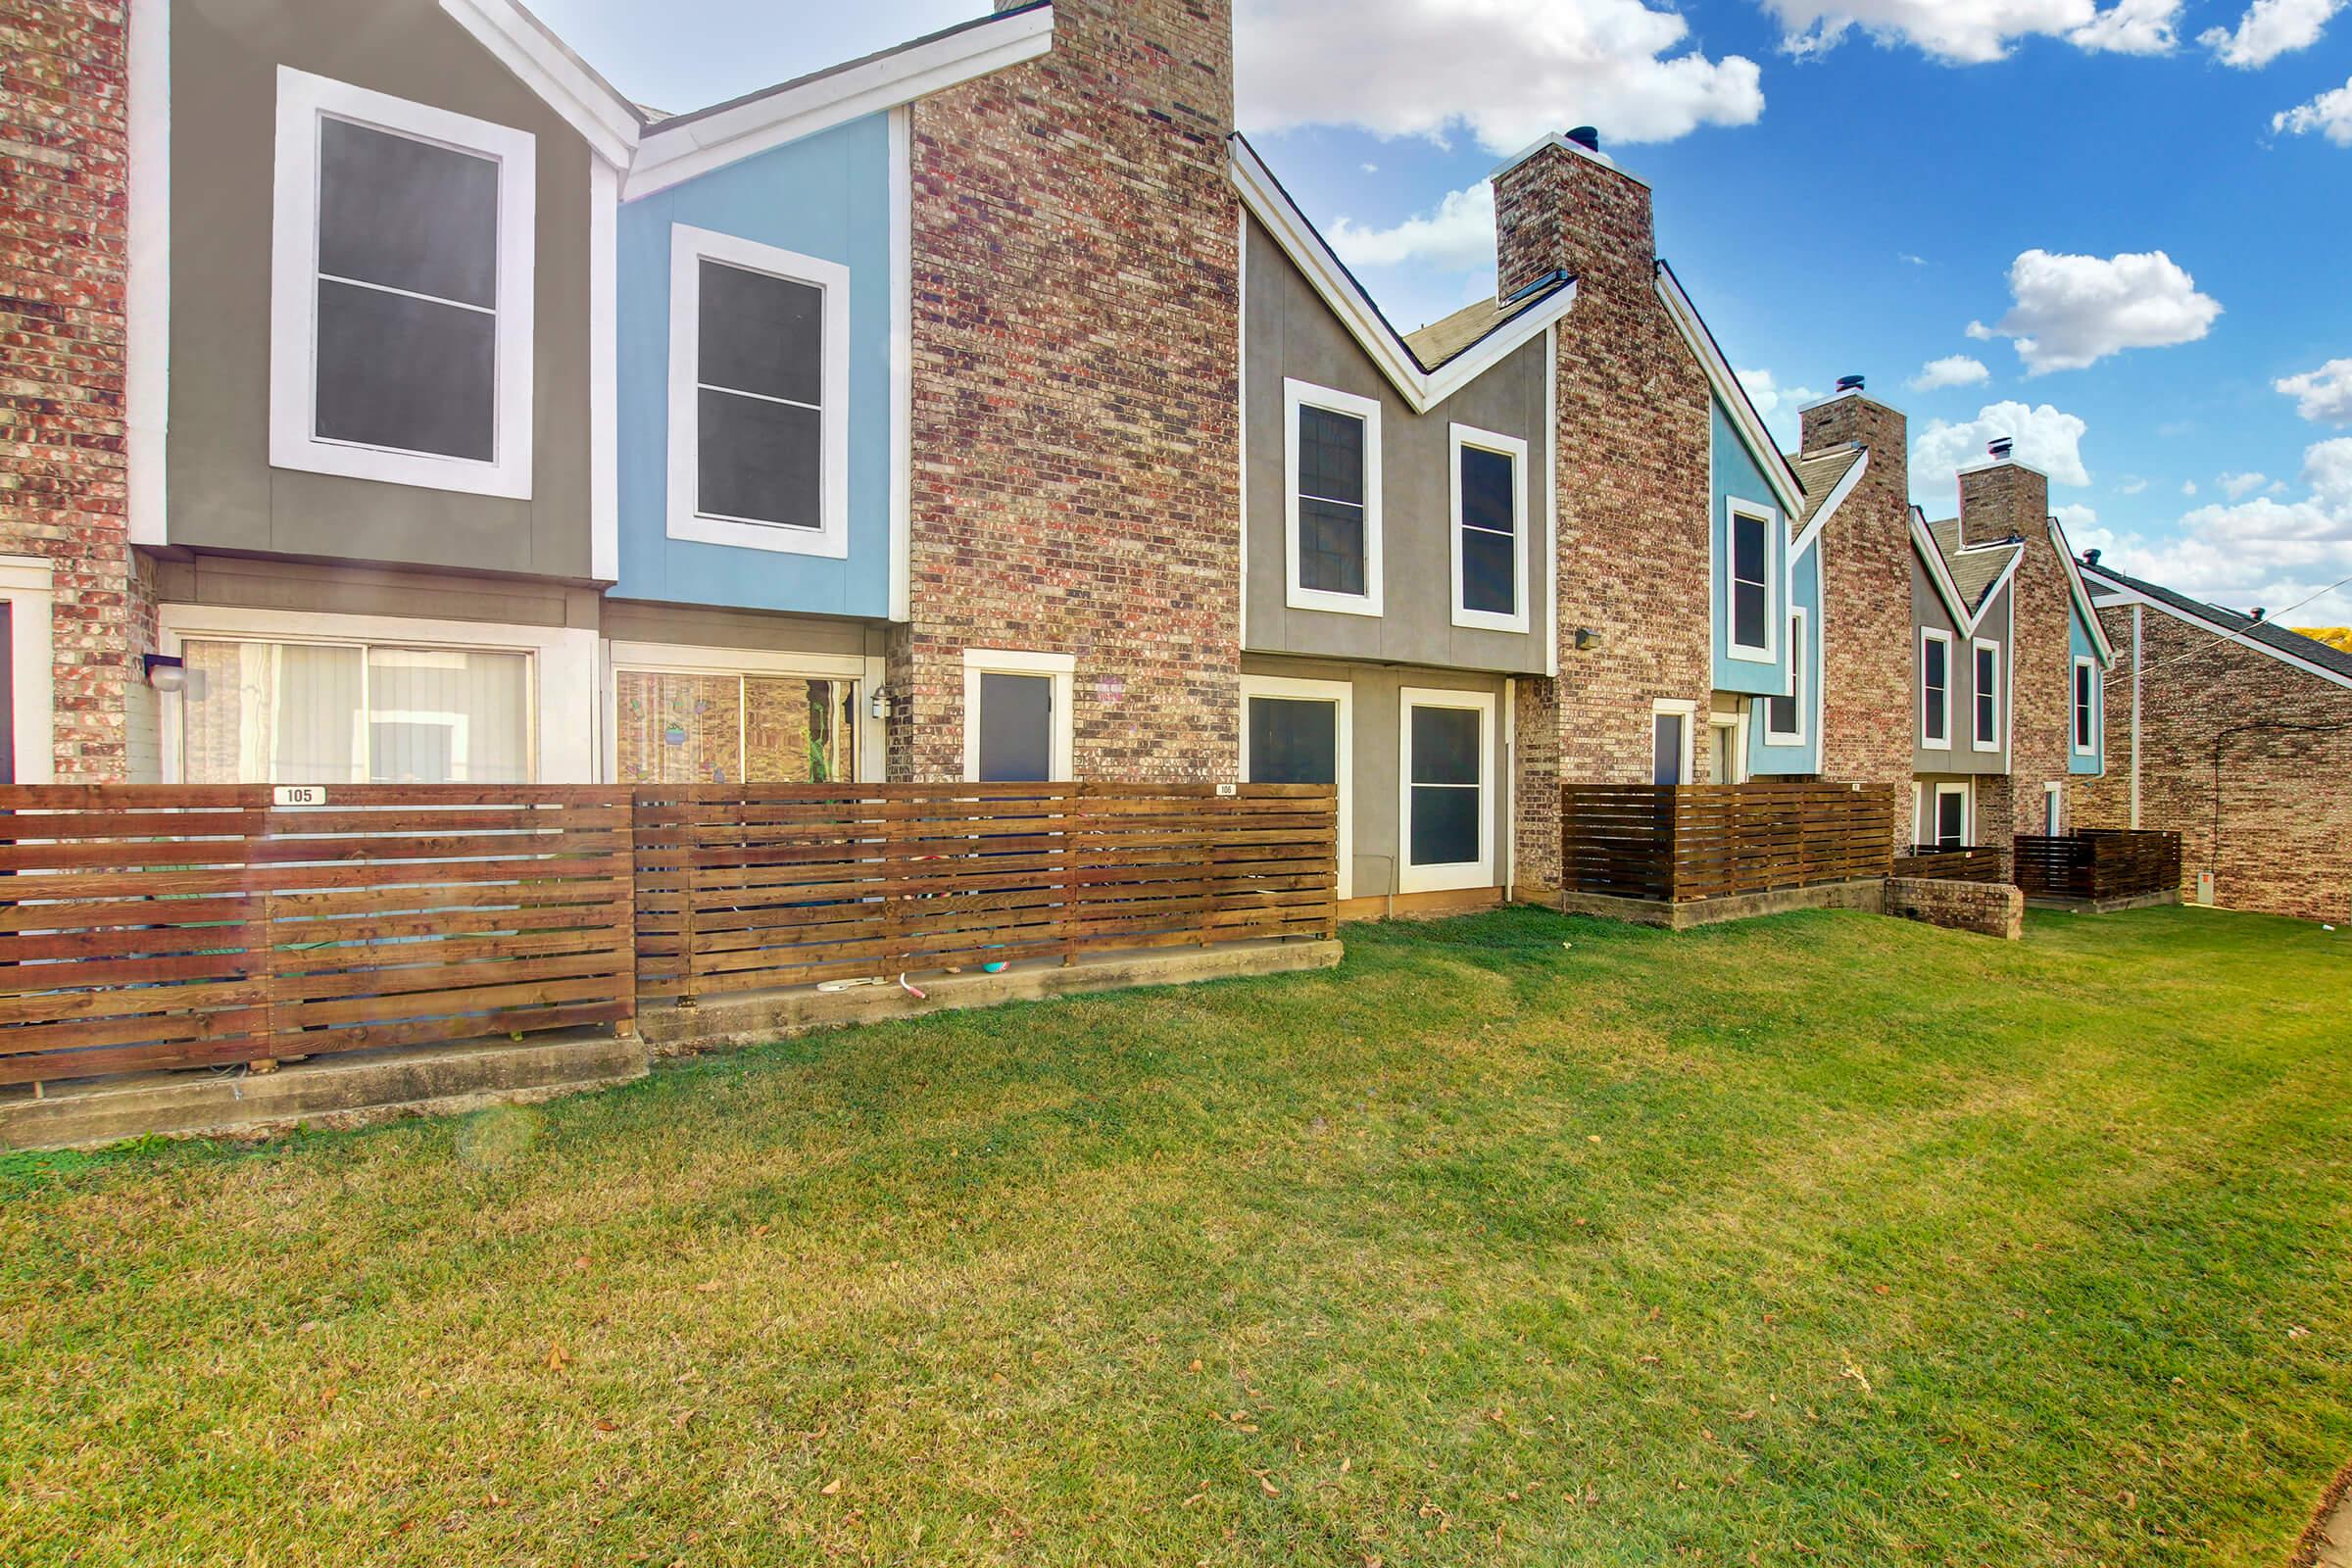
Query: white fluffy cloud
column 2264, row 551
column 2074, row 311
column 1457, row 236
column 2237, row 486
column 2270, row 28
column 1972, row 31
column 1431, row 68
column 2130, row 485
column 1775, row 404
column 2329, row 114
column 1953, row 369
column 2322, row 396
column 2189, row 487
column 2046, row 439
column 2075, row 517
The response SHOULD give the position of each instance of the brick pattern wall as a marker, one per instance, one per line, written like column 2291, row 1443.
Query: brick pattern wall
column 1634, row 490
column 1988, row 909
column 1076, row 430
column 2282, row 838
column 64, row 203
column 1867, row 726
column 1997, row 502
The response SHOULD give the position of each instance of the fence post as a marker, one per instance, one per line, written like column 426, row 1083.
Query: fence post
column 689, row 899
column 626, row 1028
column 1074, row 820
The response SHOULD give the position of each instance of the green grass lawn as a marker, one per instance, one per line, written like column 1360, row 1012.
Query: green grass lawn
column 1825, row 1238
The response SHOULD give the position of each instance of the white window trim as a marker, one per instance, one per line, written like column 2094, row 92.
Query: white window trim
column 303, row 102
column 1917, row 795
column 1460, row 436
column 1296, row 395
column 689, row 247
column 1927, row 742
column 1736, row 723
column 2074, row 708
column 2053, row 807
column 1342, row 693
column 1763, row 652
column 1686, row 710
column 1975, row 738
column 681, row 659
column 564, row 670
column 1968, row 813
column 1799, row 643
column 1479, row 873
column 1063, row 667
column 28, row 585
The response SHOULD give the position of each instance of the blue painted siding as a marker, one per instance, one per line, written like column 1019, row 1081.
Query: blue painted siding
column 1804, row 592
column 2079, row 646
column 1737, row 474
column 825, row 196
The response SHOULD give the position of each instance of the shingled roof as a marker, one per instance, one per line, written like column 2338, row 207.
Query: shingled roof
column 1818, row 474
column 2278, row 639
column 1450, row 336
column 1974, row 571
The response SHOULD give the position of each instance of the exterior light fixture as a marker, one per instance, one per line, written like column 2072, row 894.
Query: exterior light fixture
column 167, row 672
column 1586, row 638
column 879, row 704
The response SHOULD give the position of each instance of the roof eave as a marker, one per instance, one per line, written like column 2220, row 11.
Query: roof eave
column 1728, row 390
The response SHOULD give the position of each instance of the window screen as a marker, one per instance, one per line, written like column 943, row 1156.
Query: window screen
column 1331, row 502
column 1294, row 741
column 1016, row 728
column 1951, row 820
column 1987, row 696
column 407, row 346
column 1668, row 749
column 1489, row 532
column 1751, row 594
column 1447, row 774
column 1780, row 713
column 759, row 398
column 1936, row 685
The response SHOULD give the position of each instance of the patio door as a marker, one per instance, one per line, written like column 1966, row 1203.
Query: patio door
column 1951, row 816
column 1447, row 776
column 1299, row 732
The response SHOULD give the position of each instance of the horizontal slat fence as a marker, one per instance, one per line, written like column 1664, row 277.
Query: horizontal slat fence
column 1677, row 844
column 1978, row 863
column 168, row 926
column 762, row 886
column 2099, row 863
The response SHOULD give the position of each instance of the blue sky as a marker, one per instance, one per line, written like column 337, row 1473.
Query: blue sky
column 1843, row 185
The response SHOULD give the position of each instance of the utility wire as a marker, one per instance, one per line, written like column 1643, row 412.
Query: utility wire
column 2223, row 639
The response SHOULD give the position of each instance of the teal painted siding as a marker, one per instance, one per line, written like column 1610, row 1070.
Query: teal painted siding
column 825, row 196
column 2079, row 645
column 1737, row 473
column 1763, row 759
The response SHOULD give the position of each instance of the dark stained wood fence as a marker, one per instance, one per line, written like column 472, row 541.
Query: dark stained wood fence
column 1705, row 841
column 1979, row 864
column 2099, row 863
column 168, row 926
column 756, row 887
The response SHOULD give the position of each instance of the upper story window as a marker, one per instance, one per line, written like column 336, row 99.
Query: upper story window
column 759, row 395
column 401, row 291
column 1490, row 529
column 1784, row 716
column 1935, row 690
column 2087, row 706
column 1332, row 499
column 1749, row 592
column 1987, row 691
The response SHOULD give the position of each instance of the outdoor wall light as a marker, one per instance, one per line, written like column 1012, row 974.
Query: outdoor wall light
column 1586, row 638
column 879, row 704
column 167, row 672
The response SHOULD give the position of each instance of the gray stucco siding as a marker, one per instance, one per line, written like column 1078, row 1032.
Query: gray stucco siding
column 1289, row 333
column 1928, row 613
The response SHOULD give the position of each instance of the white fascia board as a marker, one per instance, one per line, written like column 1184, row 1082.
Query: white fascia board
column 1732, row 394
column 2082, row 596
column 669, row 155
column 2114, row 593
column 603, row 118
column 1829, row 506
column 1945, row 589
column 1422, row 390
column 1992, row 593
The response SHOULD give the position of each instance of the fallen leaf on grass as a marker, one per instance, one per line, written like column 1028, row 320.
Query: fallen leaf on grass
column 832, row 1488
column 708, row 1287
column 558, row 1358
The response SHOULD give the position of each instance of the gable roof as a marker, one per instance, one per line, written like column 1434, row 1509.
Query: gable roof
column 2079, row 593
column 1459, row 347
column 2283, row 643
column 1975, row 572
column 1729, row 392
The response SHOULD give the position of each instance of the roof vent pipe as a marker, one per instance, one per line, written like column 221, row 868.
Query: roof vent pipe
column 2258, row 613
column 2000, row 448
column 2091, row 558
column 1587, row 138
column 1849, row 383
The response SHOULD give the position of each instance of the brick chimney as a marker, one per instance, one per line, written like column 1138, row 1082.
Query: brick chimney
column 1866, row 633
column 1561, row 204
column 2002, row 498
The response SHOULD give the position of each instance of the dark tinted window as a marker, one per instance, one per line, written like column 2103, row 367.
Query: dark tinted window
column 1447, row 771
column 761, row 462
column 411, row 375
column 1331, row 547
column 1780, row 716
column 1294, row 741
column 1331, row 502
column 1444, row 826
column 1752, row 598
column 1668, row 749
column 2082, row 704
column 1987, row 676
column 1331, row 455
column 761, row 339
column 762, row 334
column 1490, row 526
column 1934, row 680
column 1446, row 746
column 407, row 214
column 1016, row 728
column 1951, row 820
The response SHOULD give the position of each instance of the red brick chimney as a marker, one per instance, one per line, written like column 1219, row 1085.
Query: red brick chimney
column 1563, row 206
column 2002, row 498
column 1866, row 632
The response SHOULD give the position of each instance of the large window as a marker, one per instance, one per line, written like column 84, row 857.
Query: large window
column 1449, row 829
column 1490, row 529
column 1986, row 696
column 1934, row 691
column 293, row 712
column 401, row 291
column 1332, row 454
column 1016, row 716
column 686, row 728
column 1750, row 583
column 2086, row 707
column 759, row 395
column 1298, row 732
column 1785, row 715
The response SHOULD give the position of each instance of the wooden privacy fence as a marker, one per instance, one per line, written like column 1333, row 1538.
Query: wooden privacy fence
column 2099, row 863
column 759, row 886
column 168, row 926
column 1978, row 863
column 1674, row 843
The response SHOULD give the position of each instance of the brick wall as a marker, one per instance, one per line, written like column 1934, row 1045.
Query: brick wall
column 1995, row 503
column 63, row 201
column 1988, row 909
column 1076, row 431
column 1633, row 489
column 1866, row 727
column 2282, row 840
